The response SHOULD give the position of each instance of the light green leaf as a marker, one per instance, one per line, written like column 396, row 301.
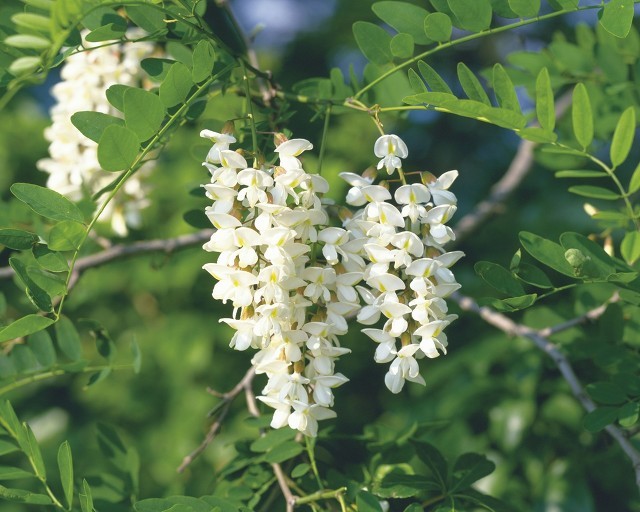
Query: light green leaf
column 66, row 236
column 547, row 252
column 594, row 192
column 42, row 347
column 628, row 414
column 630, row 247
column 109, row 32
column 34, row 454
column 582, row 116
column 7, row 447
column 374, row 42
column 12, row 425
column 115, row 95
column 437, row 26
column 416, row 82
column 433, row 79
column 21, row 496
column 65, row 466
column 10, row 473
column 45, row 5
column 32, row 21
column 272, row 439
column 118, row 148
column 17, row 239
column 27, row 41
column 24, row 65
column 617, row 17
column 157, row 68
column 599, row 418
column 36, row 294
column 147, row 18
column 499, row 278
column 504, row 89
column 68, row 339
column 525, row 8
column 473, row 16
column 204, row 58
column 86, row 498
column 402, row 46
column 545, row 107
column 599, row 264
column 560, row 5
column 176, row 85
column 137, row 356
column 23, row 359
column 300, row 470
column 282, row 452
column 471, row 85
column 532, row 275
column 623, row 136
column 403, row 17
column 535, row 134
column 46, row 202
column 49, row 260
column 92, row 124
column 510, row 304
column 143, row 112
column 580, row 173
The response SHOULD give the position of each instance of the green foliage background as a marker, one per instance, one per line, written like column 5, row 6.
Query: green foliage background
column 491, row 394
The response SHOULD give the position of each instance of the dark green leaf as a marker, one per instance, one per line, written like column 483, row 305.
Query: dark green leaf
column 433, row 79
column 582, row 116
column 367, row 502
column 599, row 418
column 594, row 192
column 65, row 466
column 7, row 447
column 66, row 235
column 92, row 124
column 623, row 136
column 617, row 17
column 434, row 460
column 534, row 276
column 42, row 346
column 23, row 359
column 98, row 376
column 486, row 502
column 437, row 26
column 547, row 252
column 545, row 106
column 416, row 82
column 20, row 496
column 17, row 239
column 499, row 277
column 36, row 294
column 374, row 42
column 607, row 393
column 473, row 16
column 147, row 18
column 10, row 473
column 471, row 85
column 157, row 68
column 46, row 202
column 68, row 339
column 400, row 485
column 272, row 439
column 525, row 8
column 282, row 452
column 176, row 85
column 470, row 468
column 511, row 304
column 535, row 134
column 300, row 470
column 630, row 247
column 402, row 46
column 143, row 112
column 403, row 17
column 118, row 148
column 628, row 414
column 504, row 89
column 35, row 455
column 50, row 260
column 204, row 58
column 109, row 32
column 115, row 95
column 414, row 507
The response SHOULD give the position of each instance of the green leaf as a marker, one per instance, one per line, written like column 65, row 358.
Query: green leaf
column 157, row 68
column 414, row 507
column 400, row 485
column 373, row 41
column 7, row 447
column 10, row 473
column 23, row 359
column 115, row 95
column 628, row 414
column 12, row 425
column 470, row 468
column 66, row 236
column 68, row 339
column 623, row 136
column 504, row 89
column 65, row 466
column 34, row 454
column 367, row 502
column 143, row 112
column 471, row 85
column 599, row 418
column 547, row 252
column 630, row 247
column 473, row 16
column 272, row 439
column 118, row 148
column 32, row 21
column 607, row 393
column 536, row 134
column 433, row 79
column 634, row 182
column 511, row 304
column 416, row 82
column 36, row 294
column 147, row 18
column 49, row 260
column 300, row 470
column 86, row 498
column 137, row 356
column 594, row 192
column 580, row 173
column 282, row 452
column 533, row 276
column 27, row 41
column 42, row 347
column 600, row 263
column 20, row 496
column 437, row 26
column 434, row 460
column 525, row 8
column 17, row 239
column 46, row 202
column 24, row 65
column 401, row 46
column 617, row 17
column 545, row 106
column 582, row 116
column 92, row 124
column 499, row 278
column 204, row 58
column 109, row 32
column 176, row 85
column 403, row 17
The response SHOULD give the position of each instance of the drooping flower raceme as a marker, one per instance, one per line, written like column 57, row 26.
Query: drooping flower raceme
column 72, row 165
column 407, row 275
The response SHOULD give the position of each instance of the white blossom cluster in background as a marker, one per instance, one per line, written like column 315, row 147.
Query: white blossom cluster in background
column 72, row 165
column 294, row 280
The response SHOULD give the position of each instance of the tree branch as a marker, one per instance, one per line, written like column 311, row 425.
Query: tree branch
column 540, row 339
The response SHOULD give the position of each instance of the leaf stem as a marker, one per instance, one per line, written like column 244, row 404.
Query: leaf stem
column 325, row 494
column 252, row 120
column 310, row 445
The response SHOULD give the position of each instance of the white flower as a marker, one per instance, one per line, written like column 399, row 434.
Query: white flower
column 391, row 149
column 221, row 142
column 305, row 417
column 404, row 367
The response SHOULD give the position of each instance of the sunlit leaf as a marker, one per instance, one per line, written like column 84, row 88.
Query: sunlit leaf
column 17, row 239
column 582, row 116
column 437, row 26
column 143, row 112
column 176, row 85
column 92, row 124
column 617, row 17
column 46, row 202
column 473, row 16
column 623, row 137
column 65, row 466
column 545, row 107
column 630, row 247
column 118, row 148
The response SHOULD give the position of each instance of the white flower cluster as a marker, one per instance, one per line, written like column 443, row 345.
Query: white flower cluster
column 294, row 280
column 407, row 274
column 73, row 165
column 287, row 305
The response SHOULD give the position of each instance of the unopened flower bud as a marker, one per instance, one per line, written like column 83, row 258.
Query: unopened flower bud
column 228, row 128
column 279, row 138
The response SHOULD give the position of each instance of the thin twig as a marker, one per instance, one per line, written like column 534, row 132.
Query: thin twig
column 508, row 326
column 502, row 190
column 228, row 399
